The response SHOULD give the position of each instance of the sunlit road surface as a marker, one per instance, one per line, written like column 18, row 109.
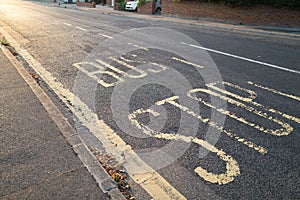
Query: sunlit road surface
column 191, row 112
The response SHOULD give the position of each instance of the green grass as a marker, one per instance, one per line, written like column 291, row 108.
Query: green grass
column 4, row 42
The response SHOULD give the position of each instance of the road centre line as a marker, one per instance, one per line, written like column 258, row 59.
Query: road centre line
column 107, row 36
column 151, row 181
column 67, row 24
column 243, row 58
column 83, row 29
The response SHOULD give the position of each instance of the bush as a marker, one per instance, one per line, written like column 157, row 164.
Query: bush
column 278, row 3
column 290, row 3
column 122, row 5
column 142, row 2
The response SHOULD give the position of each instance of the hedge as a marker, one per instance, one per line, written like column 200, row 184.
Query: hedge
column 278, row 3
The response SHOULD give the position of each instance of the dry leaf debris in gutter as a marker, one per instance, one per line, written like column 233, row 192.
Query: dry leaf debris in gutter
column 115, row 170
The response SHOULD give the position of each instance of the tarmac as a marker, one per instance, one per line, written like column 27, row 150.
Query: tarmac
column 38, row 160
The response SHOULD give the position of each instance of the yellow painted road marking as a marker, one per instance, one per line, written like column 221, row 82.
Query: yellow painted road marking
column 188, row 63
column 107, row 36
column 94, row 74
column 141, row 72
column 101, row 65
column 67, row 24
column 162, row 67
column 250, row 100
column 285, row 130
column 232, row 167
column 275, row 91
column 252, row 94
column 132, row 61
column 83, row 29
column 250, row 144
column 111, row 67
column 157, row 186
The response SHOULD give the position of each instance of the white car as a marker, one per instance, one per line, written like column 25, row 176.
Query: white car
column 132, row 5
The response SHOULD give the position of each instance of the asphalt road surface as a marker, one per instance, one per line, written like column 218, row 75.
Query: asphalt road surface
column 191, row 112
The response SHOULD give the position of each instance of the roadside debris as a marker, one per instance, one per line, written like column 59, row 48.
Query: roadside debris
column 36, row 77
column 4, row 41
column 116, row 171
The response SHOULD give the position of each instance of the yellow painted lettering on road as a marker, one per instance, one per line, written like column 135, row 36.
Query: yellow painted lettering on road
column 232, row 167
column 285, row 129
column 132, row 61
column 96, row 75
column 252, row 94
column 187, row 62
column 250, row 144
column 275, row 91
column 141, row 72
column 159, row 66
column 251, row 100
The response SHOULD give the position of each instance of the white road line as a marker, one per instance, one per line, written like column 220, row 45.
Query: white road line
column 107, row 36
column 68, row 24
column 83, row 29
column 243, row 58
column 135, row 45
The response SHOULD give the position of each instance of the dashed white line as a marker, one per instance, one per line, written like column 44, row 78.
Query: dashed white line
column 83, row 29
column 243, row 58
column 68, row 24
column 107, row 36
column 140, row 47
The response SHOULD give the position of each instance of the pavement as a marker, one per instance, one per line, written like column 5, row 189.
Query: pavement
column 36, row 160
